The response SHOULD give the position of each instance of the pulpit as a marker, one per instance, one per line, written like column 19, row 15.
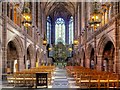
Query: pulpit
column 41, row 79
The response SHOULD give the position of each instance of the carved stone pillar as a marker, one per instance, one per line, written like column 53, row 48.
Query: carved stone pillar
column 75, row 23
column 117, row 62
column 85, row 12
column 4, row 40
column 39, row 18
column 33, row 59
column 80, row 24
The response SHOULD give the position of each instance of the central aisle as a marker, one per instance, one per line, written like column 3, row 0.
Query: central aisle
column 60, row 79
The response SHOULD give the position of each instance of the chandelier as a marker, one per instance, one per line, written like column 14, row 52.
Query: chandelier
column 44, row 40
column 95, row 17
column 27, row 17
column 76, row 42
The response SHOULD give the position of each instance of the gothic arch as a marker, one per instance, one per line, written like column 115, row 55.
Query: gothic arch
column 108, row 57
column 30, row 54
column 17, row 42
column 89, row 49
column 90, row 54
column 103, row 41
column 101, row 46
column 83, row 62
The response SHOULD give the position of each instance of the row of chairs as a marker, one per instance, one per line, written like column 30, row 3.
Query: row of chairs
column 27, row 77
column 88, row 78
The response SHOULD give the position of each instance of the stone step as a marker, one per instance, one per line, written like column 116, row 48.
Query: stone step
column 61, row 79
column 60, row 74
column 59, row 70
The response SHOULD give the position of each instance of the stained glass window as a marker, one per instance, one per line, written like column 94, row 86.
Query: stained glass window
column 59, row 30
column 48, row 30
column 71, row 30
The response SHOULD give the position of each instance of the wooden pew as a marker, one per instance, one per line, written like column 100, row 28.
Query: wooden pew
column 88, row 78
column 28, row 77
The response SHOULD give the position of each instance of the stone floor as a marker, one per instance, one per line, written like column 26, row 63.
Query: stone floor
column 60, row 79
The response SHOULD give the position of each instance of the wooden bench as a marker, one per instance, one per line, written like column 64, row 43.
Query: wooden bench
column 87, row 78
column 28, row 77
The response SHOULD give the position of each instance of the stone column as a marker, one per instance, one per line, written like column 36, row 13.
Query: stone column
column 39, row 18
column 25, row 45
column 80, row 23
column 119, row 36
column 4, row 40
column 33, row 12
column 33, row 59
column 45, row 27
column 116, row 7
column 110, row 64
column 117, row 62
column 67, row 31
column 40, row 26
column 85, row 11
column 113, row 11
column 117, row 50
column 79, row 30
column 75, row 23
column 119, row 7
column 1, row 8
column 78, row 18
column 53, row 32
column 99, row 62
column 43, row 20
column 0, row 45
column 21, row 62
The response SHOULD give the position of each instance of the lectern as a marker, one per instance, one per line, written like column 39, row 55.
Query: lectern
column 41, row 79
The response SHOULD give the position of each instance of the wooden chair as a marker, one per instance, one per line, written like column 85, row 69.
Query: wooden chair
column 84, row 81
column 10, row 79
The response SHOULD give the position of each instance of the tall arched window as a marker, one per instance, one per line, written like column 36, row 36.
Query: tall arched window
column 71, row 30
column 59, row 30
column 48, row 30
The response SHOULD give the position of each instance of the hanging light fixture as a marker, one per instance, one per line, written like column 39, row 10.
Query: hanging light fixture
column 106, row 5
column 27, row 17
column 95, row 18
column 70, row 49
column 49, row 48
column 44, row 40
column 76, row 42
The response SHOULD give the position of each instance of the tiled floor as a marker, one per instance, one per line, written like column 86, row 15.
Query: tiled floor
column 62, row 80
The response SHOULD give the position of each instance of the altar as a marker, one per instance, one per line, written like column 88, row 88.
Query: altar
column 60, row 64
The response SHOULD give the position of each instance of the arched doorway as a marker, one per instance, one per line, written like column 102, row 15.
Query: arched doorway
column 108, row 57
column 92, row 59
column 37, row 58
column 28, row 62
column 12, row 58
column 30, row 57
column 83, row 58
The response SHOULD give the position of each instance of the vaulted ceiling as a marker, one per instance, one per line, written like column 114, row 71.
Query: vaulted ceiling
column 57, row 9
column 60, row 9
